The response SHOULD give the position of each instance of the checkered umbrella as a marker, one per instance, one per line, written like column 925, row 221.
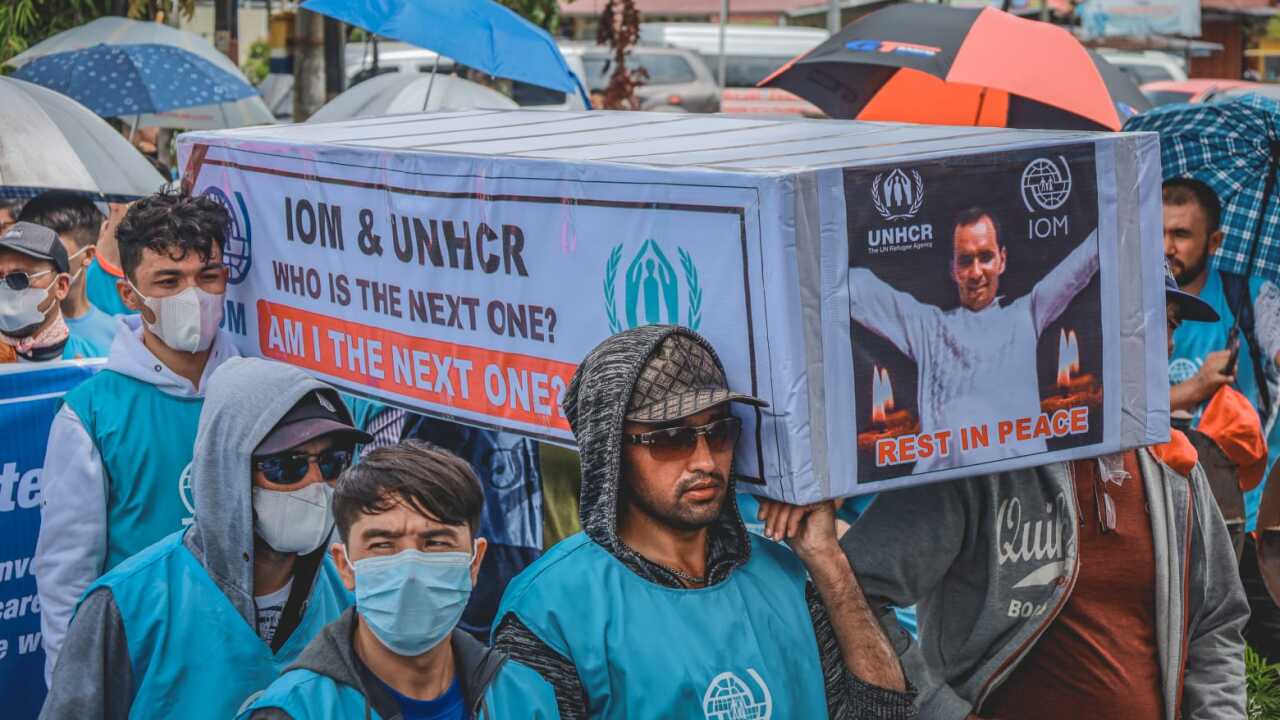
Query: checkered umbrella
column 1232, row 147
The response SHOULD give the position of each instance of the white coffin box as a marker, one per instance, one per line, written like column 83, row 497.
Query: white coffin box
column 915, row 303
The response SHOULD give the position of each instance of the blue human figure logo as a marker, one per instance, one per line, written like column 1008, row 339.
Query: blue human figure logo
column 650, row 274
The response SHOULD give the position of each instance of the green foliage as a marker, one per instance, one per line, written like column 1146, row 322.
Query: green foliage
column 259, row 62
column 1262, row 683
column 543, row 13
column 24, row 23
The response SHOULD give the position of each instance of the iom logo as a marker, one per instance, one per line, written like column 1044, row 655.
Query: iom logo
column 1182, row 370
column 188, row 497
column 728, row 697
column 897, row 196
column 237, row 255
column 1046, row 184
column 653, row 292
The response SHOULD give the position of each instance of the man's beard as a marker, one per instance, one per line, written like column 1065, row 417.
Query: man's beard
column 681, row 515
column 1191, row 273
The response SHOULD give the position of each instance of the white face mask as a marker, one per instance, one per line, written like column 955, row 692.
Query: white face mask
column 187, row 321
column 20, row 309
column 294, row 522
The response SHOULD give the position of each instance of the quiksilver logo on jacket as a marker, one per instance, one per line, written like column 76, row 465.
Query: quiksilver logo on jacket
column 1035, row 539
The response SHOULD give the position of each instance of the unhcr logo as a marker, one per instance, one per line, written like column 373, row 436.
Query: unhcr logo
column 652, row 291
column 898, row 197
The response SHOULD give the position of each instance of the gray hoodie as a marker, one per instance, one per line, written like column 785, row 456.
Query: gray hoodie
column 246, row 397
column 991, row 560
column 594, row 405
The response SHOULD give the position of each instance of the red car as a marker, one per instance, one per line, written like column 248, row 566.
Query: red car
column 1198, row 90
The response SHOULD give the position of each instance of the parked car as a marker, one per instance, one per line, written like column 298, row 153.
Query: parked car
column 752, row 53
column 1198, row 90
column 405, row 58
column 675, row 80
column 1147, row 66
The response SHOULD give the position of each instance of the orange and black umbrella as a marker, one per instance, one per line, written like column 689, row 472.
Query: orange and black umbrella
column 940, row 65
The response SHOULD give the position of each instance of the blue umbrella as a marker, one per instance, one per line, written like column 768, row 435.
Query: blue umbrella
column 478, row 33
column 123, row 80
column 1234, row 148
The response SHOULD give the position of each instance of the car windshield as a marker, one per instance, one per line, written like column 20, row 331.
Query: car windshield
column 744, row 71
column 1143, row 74
column 1167, row 97
column 661, row 69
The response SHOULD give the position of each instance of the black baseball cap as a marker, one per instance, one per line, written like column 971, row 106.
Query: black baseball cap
column 36, row 241
column 680, row 379
column 315, row 415
column 1191, row 306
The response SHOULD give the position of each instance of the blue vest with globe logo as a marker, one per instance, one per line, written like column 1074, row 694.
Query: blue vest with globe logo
column 743, row 649
column 145, row 439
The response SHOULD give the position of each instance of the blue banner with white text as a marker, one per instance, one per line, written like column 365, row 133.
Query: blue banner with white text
column 30, row 396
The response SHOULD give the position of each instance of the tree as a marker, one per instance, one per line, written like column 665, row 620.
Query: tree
column 24, row 23
column 543, row 13
column 620, row 29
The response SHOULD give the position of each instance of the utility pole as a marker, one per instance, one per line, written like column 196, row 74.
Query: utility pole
column 335, row 51
column 226, row 28
column 724, row 24
column 308, row 64
column 833, row 16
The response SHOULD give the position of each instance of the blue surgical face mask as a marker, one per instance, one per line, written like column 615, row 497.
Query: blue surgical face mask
column 412, row 600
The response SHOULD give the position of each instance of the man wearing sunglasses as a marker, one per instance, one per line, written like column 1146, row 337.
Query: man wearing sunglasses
column 1100, row 588
column 664, row 606
column 33, row 282
column 408, row 516
column 115, row 470
column 196, row 624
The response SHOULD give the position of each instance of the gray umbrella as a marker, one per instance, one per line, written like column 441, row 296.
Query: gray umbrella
column 407, row 93
column 49, row 141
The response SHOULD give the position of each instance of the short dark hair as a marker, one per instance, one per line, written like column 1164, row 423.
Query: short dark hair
column 66, row 213
column 171, row 223
column 972, row 215
column 1184, row 191
column 427, row 478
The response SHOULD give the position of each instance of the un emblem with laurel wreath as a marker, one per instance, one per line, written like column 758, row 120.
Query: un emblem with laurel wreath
column 651, row 293
column 896, row 196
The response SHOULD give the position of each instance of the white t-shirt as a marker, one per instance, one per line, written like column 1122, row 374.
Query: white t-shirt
column 270, row 607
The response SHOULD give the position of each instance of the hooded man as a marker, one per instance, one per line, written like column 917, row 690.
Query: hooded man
column 33, row 281
column 665, row 606
column 197, row 623
column 1099, row 588
column 78, row 223
column 408, row 515
column 114, row 472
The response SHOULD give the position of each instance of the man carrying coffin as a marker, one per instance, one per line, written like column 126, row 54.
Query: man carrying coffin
column 983, row 349
column 1101, row 588
column 664, row 606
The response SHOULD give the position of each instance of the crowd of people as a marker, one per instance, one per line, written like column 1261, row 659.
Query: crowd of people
column 230, row 537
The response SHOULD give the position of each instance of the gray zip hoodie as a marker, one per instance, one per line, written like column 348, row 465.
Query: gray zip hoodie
column 246, row 397
column 990, row 561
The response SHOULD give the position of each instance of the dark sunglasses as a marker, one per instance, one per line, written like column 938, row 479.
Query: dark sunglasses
column 20, row 280
column 291, row 468
column 676, row 442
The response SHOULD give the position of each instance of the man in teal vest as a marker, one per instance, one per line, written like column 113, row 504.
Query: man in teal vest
column 664, row 606
column 199, row 622
column 115, row 471
column 408, row 515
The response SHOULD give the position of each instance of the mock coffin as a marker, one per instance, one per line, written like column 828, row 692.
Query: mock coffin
column 915, row 303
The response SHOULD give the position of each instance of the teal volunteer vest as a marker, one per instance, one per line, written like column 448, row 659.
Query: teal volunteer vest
column 144, row 437
column 742, row 648
column 517, row 693
column 193, row 654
